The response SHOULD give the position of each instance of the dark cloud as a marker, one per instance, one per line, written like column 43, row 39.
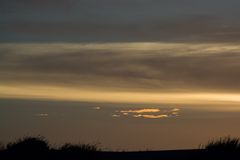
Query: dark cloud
column 185, row 29
column 119, row 20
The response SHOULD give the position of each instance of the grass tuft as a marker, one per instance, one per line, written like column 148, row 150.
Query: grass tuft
column 79, row 148
column 223, row 144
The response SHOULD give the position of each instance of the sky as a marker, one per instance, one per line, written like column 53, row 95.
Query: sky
column 159, row 54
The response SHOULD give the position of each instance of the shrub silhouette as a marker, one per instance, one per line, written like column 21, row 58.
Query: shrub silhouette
column 29, row 144
column 224, row 144
column 38, row 148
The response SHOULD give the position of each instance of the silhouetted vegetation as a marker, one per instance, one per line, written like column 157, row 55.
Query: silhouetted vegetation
column 29, row 144
column 39, row 148
column 224, row 144
column 79, row 147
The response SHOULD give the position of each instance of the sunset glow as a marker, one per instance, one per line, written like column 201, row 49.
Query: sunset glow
column 59, row 93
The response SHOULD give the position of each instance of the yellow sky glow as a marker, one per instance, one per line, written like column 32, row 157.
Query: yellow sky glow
column 78, row 94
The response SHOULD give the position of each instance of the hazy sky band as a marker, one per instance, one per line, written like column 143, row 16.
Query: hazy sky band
column 44, row 92
column 119, row 21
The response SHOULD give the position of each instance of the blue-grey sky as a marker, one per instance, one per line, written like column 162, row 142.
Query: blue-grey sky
column 119, row 20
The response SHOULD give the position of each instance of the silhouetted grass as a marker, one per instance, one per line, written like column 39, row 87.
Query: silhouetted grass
column 223, row 144
column 40, row 144
column 38, row 148
column 79, row 147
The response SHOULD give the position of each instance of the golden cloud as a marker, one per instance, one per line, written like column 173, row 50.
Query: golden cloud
column 150, row 110
column 150, row 113
column 151, row 116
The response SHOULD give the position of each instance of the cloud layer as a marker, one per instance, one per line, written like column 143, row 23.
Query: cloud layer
column 119, row 20
column 153, row 67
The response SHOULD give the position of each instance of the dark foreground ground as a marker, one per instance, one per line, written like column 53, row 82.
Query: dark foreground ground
column 148, row 155
column 171, row 155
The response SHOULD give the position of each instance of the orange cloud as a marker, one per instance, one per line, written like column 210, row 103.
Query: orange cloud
column 151, row 113
column 175, row 110
column 141, row 111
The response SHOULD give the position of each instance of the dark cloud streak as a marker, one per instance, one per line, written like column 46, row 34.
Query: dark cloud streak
column 132, row 70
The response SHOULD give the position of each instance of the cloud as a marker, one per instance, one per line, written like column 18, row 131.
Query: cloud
column 152, row 116
column 175, row 110
column 115, row 115
column 150, row 67
column 178, row 29
column 97, row 108
column 150, row 113
column 147, row 110
column 42, row 115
